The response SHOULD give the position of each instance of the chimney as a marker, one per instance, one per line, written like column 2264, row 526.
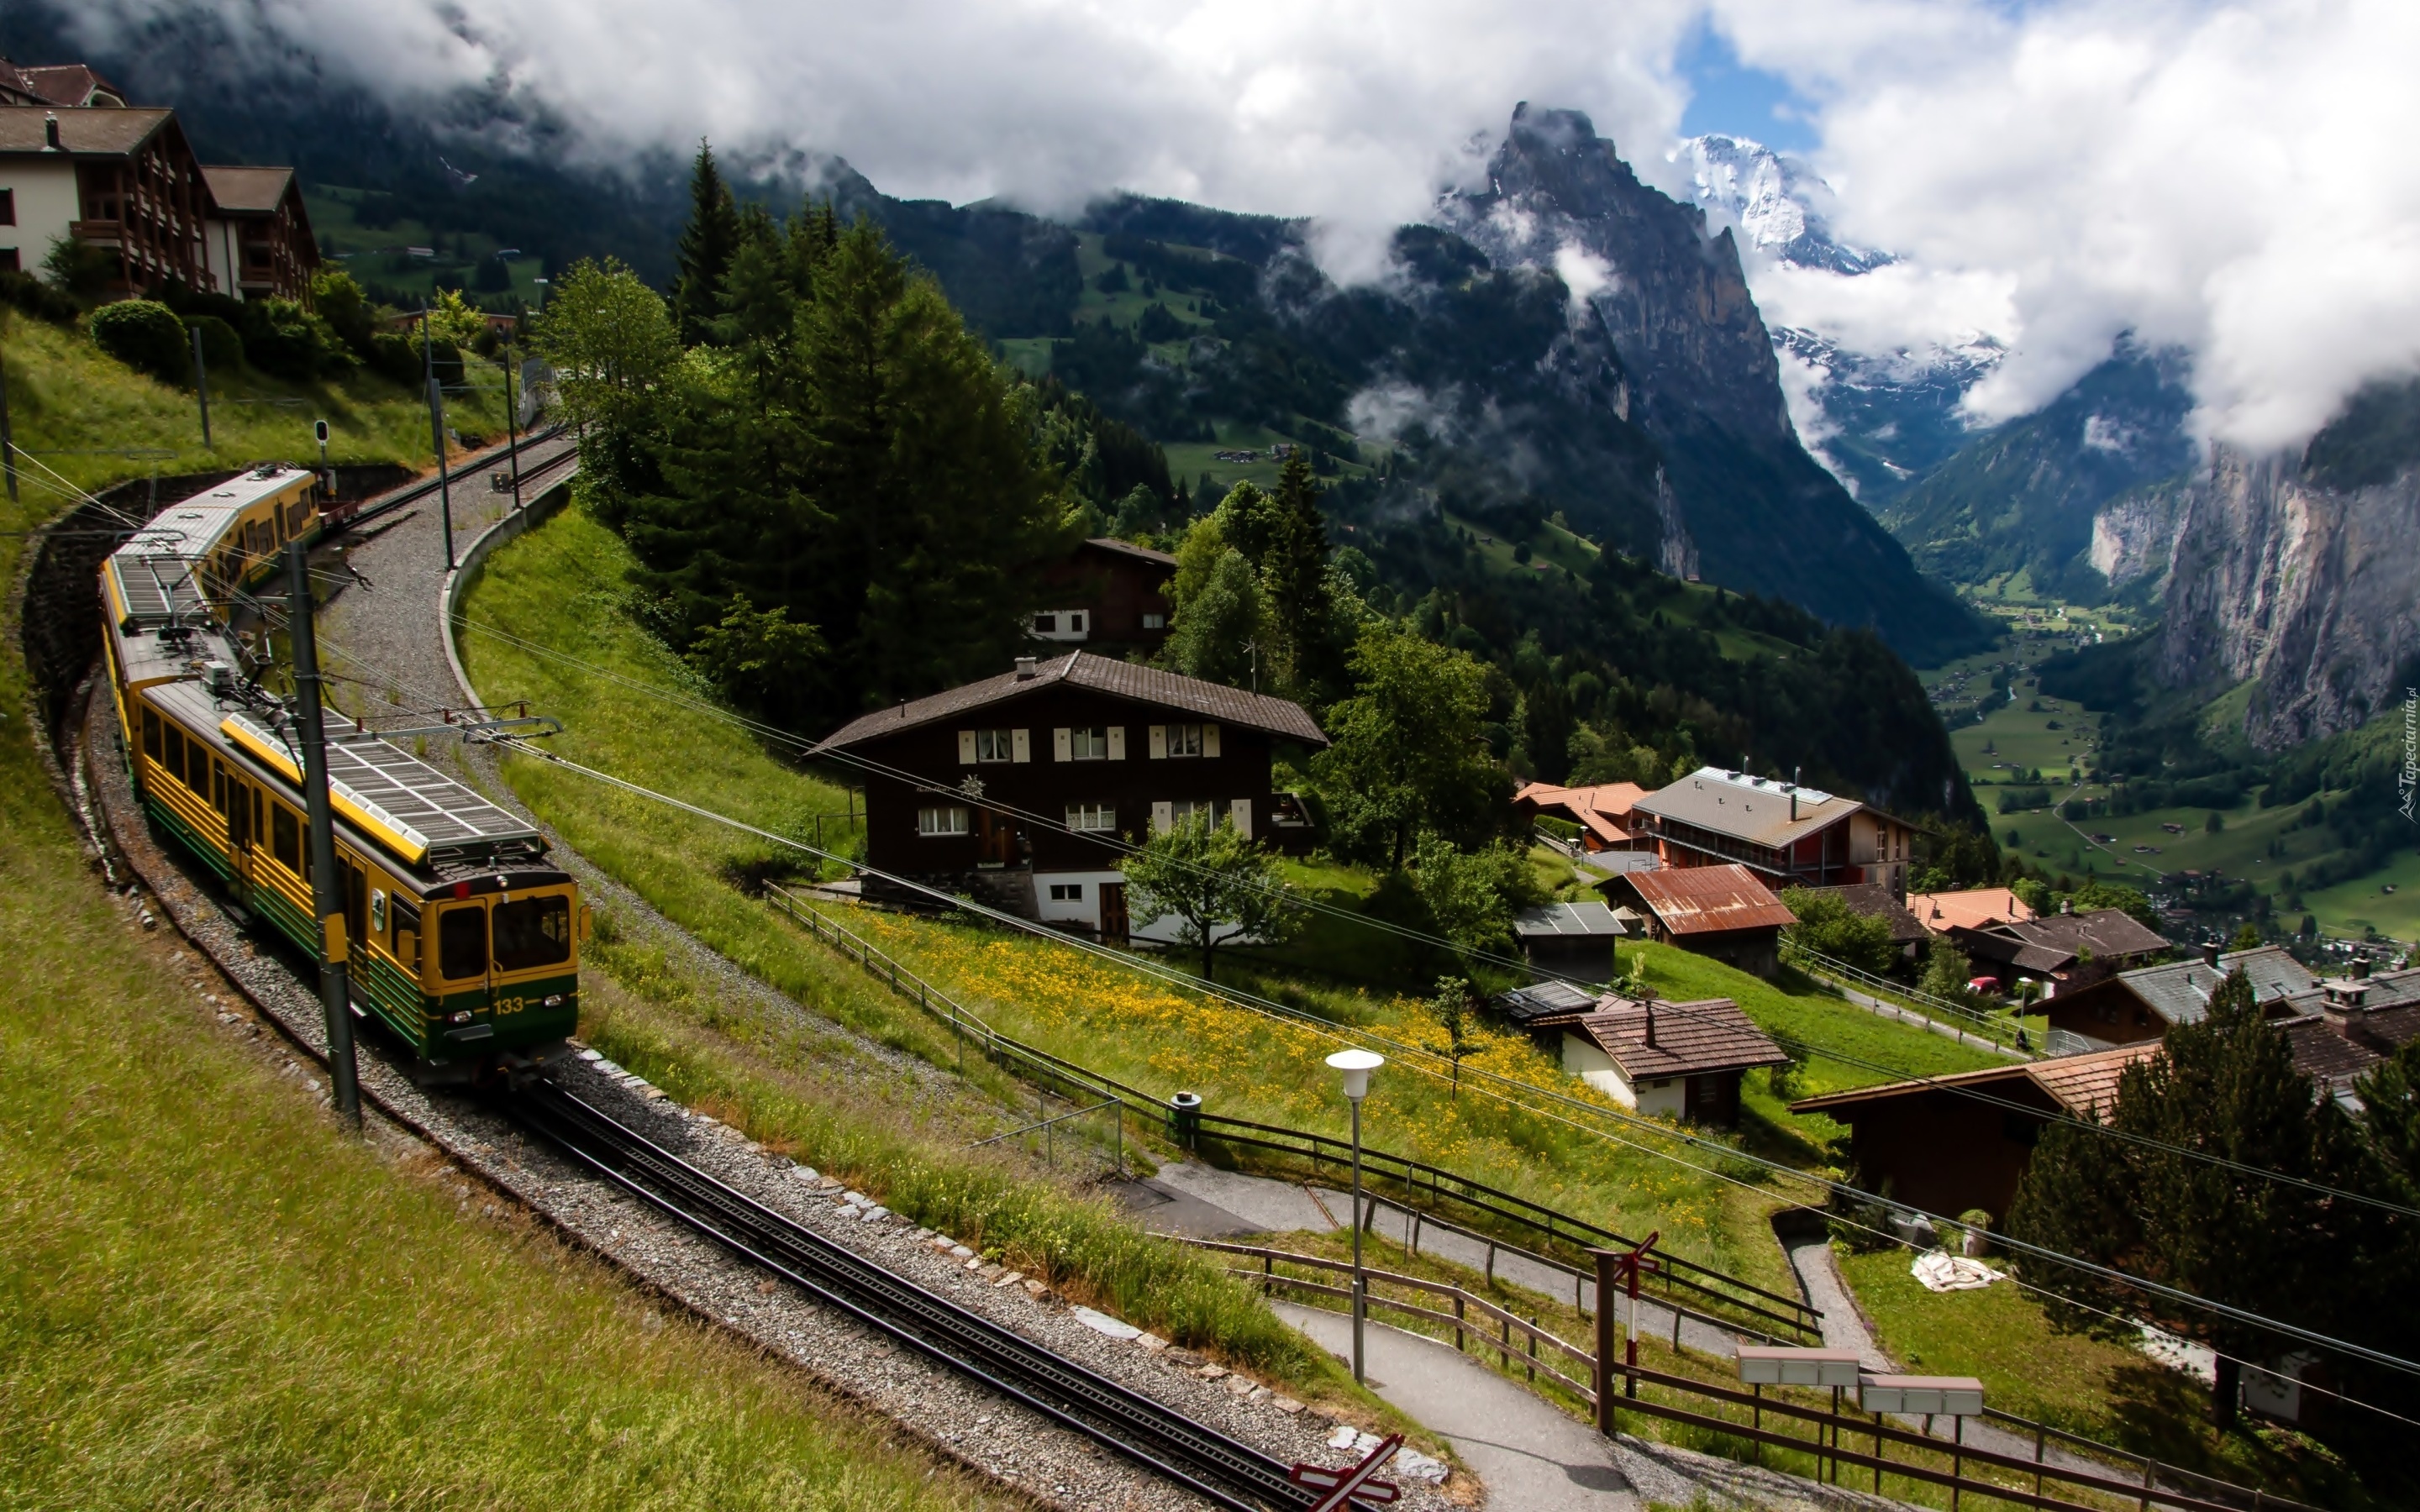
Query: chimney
column 1025, row 666
column 2067, row 905
column 1649, row 1009
column 2361, row 968
column 50, row 133
column 2210, row 955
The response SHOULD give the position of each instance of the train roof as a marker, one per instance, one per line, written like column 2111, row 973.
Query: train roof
column 152, row 573
column 407, row 806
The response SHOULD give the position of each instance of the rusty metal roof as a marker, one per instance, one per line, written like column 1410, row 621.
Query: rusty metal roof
column 1707, row 900
column 1148, row 686
column 2086, row 1085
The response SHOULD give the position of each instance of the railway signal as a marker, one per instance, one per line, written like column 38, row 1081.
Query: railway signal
column 1353, row 1483
column 327, row 897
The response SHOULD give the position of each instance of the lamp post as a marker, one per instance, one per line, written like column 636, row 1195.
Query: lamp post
column 1356, row 1067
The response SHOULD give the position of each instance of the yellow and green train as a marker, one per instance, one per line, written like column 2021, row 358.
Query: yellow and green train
column 459, row 936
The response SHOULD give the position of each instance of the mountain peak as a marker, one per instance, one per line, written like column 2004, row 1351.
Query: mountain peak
column 1781, row 206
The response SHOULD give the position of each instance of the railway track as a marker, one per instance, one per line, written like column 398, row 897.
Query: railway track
column 405, row 498
column 1215, row 1467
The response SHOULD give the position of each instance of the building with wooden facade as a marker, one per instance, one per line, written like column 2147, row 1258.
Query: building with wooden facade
column 257, row 242
column 1029, row 786
column 1683, row 1061
column 1106, row 593
column 1787, row 834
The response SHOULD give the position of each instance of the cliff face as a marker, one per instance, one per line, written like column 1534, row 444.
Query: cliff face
column 1737, row 497
column 2284, row 574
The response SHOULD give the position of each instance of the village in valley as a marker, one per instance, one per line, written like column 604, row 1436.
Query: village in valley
column 833, row 891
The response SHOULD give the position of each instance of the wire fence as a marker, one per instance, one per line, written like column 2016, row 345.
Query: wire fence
column 1998, row 1032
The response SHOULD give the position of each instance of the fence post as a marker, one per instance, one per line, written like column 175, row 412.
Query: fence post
column 1268, row 1275
column 2144, row 1506
column 1878, row 1455
column 1459, row 1316
column 2039, row 1431
column 1606, row 1322
column 1957, row 1457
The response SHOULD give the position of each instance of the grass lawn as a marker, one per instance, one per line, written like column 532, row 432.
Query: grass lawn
column 208, row 1297
column 79, row 411
column 380, row 255
column 2104, row 1390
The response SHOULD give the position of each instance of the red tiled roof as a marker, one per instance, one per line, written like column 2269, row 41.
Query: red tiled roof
column 1081, row 669
column 1603, row 809
column 1976, row 908
column 1652, row 1040
column 1706, row 900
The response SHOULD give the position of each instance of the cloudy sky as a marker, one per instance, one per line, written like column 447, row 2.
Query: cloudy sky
column 2235, row 178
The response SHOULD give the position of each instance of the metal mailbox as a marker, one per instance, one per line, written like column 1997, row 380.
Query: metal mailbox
column 1770, row 1366
column 1943, row 1395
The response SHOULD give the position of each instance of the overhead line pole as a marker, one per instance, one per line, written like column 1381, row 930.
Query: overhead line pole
column 202, row 388
column 437, row 432
column 327, row 897
column 8, row 440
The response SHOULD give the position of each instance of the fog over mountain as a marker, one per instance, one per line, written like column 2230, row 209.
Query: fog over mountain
column 2226, row 179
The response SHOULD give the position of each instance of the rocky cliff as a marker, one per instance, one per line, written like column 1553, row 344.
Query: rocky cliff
column 2299, row 574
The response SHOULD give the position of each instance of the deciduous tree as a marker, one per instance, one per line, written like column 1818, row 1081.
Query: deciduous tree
column 1407, row 750
column 1214, row 881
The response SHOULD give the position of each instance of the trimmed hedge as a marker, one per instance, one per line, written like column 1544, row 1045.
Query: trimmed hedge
column 146, row 336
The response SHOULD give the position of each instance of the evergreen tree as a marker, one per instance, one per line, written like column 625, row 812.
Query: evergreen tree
column 1293, row 565
column 2225, row 1087
column 1218, row 634
column 706, row 249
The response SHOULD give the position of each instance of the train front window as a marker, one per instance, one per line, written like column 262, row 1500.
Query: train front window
column 463, row 943
column 532, row 932
column 405, row 922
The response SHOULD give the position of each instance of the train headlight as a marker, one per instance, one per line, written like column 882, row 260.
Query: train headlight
column 463, row 1016
column 556, row 1001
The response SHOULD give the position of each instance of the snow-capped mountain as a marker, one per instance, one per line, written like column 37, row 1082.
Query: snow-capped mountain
column 1778, row 204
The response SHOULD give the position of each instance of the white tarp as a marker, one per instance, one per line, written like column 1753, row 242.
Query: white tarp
column 1941, row 1270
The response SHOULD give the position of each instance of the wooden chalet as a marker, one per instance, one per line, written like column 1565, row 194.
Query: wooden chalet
column 2062, row 952
column 122, row 180
column 1026, row 787
column 2146, row 1002
column 1683, row 1061
column 1789, row 834
column 1945, row 1144
column 1726, row 912
column 1575, row 940
column 260, row 242
column 1608, row 838
column 1106, row 592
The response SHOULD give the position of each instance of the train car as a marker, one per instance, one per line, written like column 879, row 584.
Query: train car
column 461, row 938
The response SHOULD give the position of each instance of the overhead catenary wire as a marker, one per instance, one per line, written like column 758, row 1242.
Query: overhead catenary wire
column 1943, row 1083
column 2233, row 1314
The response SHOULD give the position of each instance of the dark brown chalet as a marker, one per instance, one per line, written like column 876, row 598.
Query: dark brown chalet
column 261, row 244
column 1106, row 592
column 1026, row 784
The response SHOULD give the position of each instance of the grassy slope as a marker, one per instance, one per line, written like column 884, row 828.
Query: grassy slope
column 209, row 1298
column 67, row 401
column 561, row 587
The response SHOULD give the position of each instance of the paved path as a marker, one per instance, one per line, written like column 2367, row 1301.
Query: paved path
column 1203, row 1202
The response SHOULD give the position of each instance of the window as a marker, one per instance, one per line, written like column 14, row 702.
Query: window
column 941, row 821
column 532, row 932
column 1066, row 892
column 9, row 260
column 1089, row 744
column 1076, row 622
column 198, row 768
column 286, row 837
column 176, row 762
column 378, row 911
column 462, row 942
column 150, row 735
column 9, row 209
column 406, row 937
column 995, row 745
column 1185, row 740
column 1046, row 624
column 1155, row 622
column 1092, row 817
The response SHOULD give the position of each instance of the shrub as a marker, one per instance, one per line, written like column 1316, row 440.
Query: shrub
column 80, row 271
column 284, row 340
column 340, row 301
column 222, row 349
column 146, row 336
column 23, row 291
column 1828, row 926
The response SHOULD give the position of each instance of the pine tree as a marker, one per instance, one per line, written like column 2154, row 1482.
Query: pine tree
column 2225, row 1087
column 706, row 249
column 1294, row 565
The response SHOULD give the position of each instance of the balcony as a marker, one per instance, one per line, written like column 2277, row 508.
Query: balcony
column 99, row 233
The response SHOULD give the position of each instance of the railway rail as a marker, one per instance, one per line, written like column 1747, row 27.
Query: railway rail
column 1220, row 1470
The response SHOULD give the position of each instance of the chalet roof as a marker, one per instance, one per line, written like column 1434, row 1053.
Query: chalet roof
column 1542, row 1000
column 239, row 191
column 2086, row 1085
column 2386, row 989
column 1707, row 900
column 1650, row 1040
column 2180, row 990
column 1281, row 717
column 1875, row 901
column 1128, row 548
column 2107, row 932
column 1976, row 908
column 1603, row 809
column 71, row 84
column 1755, row 810
column 82, row 133
column 1567, row 921
column 2323, row 1053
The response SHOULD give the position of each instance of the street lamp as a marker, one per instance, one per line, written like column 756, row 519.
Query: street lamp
column 1356, row 1067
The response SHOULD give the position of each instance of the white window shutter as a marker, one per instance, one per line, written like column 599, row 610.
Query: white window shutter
column 1239, row 813
column 965, row 747
column 1117, row 742
column 1159, row 742
column 1059, row 743
column 1163, row 817
column 1020, row 746
column 1209, row 740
